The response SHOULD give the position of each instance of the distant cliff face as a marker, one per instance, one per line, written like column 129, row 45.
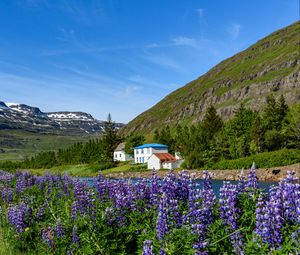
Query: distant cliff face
column 24, row 117
column 272, row 65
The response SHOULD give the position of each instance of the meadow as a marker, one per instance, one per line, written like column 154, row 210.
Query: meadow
column 57, row 214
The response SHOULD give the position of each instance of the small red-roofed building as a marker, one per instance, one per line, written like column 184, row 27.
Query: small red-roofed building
column 163, row 161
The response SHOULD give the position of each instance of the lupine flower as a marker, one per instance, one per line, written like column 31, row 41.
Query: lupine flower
column 269, row 218
column 16, row 217
column 147, row 247
column 59, row 229
column 201, row 217
column 84, row 204
column 252, row 178
column 162, row 223
column 229, row 214
column 242, row 182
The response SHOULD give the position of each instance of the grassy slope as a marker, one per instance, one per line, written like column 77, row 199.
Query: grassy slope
column 263, row 160
column 268, row 54
column 17, row 144
column 81, row 170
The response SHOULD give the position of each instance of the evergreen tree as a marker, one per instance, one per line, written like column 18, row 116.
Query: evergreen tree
column 282, row 110
column 291, row 127
column 110, row 139
column 133, row 141
column 212, row 122
column 164, row 136
column 274, row 113
column 257, row 136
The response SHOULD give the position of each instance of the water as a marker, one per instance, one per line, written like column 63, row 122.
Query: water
column 216, row 184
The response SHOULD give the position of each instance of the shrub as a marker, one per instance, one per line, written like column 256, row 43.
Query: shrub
column 262, row 160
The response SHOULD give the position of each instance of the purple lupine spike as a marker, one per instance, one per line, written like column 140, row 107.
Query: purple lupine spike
column 148, row 247
column 269, row 217
column 155, row 188
column 162, row 223
column 20, row 184
column 84, row 204
column 16, row 217
column 200, row 214
column 183, row 185
column 229, row 214
column 59, row 229
column 289, row 188
column 3, row 194
column 252, row 182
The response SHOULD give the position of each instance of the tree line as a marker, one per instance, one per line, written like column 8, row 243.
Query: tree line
column 98, row 151
column 248, row 132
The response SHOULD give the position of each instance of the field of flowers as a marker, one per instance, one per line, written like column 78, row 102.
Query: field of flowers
column 56, row 214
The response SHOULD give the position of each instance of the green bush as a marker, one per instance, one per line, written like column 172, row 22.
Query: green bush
column 262, row 160
column 103, row 166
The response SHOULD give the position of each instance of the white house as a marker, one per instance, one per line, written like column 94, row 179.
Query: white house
column 163, row 160
column 120, row 155
column 143, row 152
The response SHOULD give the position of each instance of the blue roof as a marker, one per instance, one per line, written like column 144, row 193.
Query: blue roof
column 152, row 145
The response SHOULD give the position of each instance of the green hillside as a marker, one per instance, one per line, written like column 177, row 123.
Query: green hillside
column 18, row 144
column 272, row 65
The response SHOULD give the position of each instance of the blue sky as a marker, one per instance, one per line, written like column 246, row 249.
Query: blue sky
column 122, row 56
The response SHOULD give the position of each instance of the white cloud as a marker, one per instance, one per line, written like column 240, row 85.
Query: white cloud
column 163, row 60
column 184, row 41
column 129, row 91
column 234, row 30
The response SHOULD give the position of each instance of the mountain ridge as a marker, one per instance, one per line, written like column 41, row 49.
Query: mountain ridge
column 271, row 65
column 29, row 118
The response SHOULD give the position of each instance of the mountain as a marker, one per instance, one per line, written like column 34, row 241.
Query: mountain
column 272, row 65
column 23, row 117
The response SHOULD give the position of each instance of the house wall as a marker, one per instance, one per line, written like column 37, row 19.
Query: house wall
column 172, row 165
column 121, row 156
column 142, row 155
column 153, row 163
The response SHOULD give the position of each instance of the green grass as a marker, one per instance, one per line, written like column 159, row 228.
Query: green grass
column 88, row 170
column 72, row 170
column 18, row 144
column 262, row 160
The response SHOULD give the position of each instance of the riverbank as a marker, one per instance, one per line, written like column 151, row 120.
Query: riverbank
column 264, row 174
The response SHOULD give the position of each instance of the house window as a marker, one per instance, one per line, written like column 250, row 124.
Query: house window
column 137, row 151
column 142, row 151
column 137, row 160
column 120, row 155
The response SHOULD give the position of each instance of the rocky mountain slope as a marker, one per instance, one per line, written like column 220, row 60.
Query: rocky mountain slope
column 272, row 65
column 28, row 118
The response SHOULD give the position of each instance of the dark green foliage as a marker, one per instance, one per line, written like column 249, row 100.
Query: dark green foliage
column 212, row 122
column 291, row 127
column 133, row 141
column 247, row 133
column 110, row 139
column 274, row 113
column 262, row 160
column 273, row 140
column 164, row 136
